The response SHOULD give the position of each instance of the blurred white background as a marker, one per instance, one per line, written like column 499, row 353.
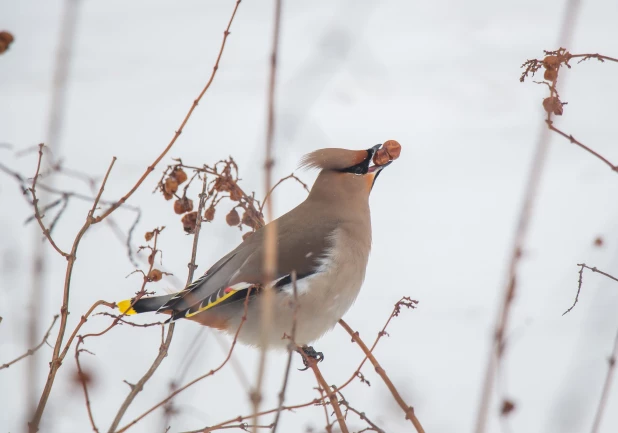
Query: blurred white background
column 442, row 78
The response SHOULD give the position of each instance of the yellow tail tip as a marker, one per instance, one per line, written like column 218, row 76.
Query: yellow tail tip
column 125, row 307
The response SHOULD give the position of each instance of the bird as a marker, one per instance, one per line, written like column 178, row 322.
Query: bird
column 323, row 243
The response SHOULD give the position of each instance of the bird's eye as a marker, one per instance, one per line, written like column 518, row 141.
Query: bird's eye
column 358, row 170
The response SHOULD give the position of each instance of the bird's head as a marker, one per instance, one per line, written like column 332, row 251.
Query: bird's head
column 350, row 172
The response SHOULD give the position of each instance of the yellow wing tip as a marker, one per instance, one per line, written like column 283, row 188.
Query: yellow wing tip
column 126, row 308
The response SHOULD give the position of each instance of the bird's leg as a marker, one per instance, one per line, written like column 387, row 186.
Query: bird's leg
column 310, row 352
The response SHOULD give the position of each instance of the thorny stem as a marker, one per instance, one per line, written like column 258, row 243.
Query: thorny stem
column 408, row 410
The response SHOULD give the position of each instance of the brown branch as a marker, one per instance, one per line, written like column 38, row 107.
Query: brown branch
column 408, row 410
column 191, row 265
column 330, row 392
column 270, row 236
column 291, row 176
column 291, row 352
column 606, row 387
column 583, row 266
column 197, row 100
column 194, row 381
column 64, row 311
column 405, row 301
column 35, row 204
column 165, row 344
column 83, row 380
column 372, row 426
column 573, row 140
column 31, row 352
column 597, row 56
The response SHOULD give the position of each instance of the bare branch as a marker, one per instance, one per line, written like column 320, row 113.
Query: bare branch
column 408, row 410
column 197, row 100
column 31, row 352
column 606, row 387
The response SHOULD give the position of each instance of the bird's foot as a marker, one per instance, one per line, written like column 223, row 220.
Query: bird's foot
column 308, row 352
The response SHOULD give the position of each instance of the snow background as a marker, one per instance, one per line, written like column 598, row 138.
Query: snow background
column 440, row 77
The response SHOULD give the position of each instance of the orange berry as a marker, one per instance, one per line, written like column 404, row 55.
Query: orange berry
column 550, row 74
column 247, row 236
column 393, row 148
column 155, row 275
column 148, row 236
column 381, row 157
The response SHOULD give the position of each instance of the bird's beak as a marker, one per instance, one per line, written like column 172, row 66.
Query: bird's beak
column 374, row 170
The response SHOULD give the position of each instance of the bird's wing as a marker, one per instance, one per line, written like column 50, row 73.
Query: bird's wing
column 302, row 245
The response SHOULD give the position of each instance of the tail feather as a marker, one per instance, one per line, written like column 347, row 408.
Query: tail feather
column 143, row 305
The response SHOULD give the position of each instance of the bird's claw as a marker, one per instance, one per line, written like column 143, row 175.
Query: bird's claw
column 310, row 352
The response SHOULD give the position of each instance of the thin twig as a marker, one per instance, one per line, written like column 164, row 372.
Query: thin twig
column 197, row 100
column 573, row 140
column 270, row 236
column 35, row 204
column 31, row 352
column 330, row 393
column 344, row 402
column 291, row 176
column 583, row 266
column 64, row 311
column 83, row 380
column 194, row 381
column 408, row 410
column 496, row 351
column 607, row 386
column 291, row 352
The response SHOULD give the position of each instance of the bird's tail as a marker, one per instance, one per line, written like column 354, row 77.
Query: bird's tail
column 143, row 305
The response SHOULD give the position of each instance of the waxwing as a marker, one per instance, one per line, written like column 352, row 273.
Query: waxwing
column 325, row 241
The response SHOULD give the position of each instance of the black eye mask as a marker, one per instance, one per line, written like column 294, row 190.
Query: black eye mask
column 363, row 167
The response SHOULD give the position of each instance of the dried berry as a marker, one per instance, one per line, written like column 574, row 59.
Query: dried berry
column 171, row 185
column 550, row 74
column 189, row 222
column 235, row 193
column 553, row 105
column 393, row 148
column 148, row 236
column 155, row 275
column 551, row 62
column 232, row 218
column 507, row 407
column 381, row 157
column 6, row 37
column 168, row 195
column 151, row 257
column 5, row 40
column 247, row 236
column 209, row 214
column 183, row 205
column 598, row 242
column 222, row 184
column 249, row 219
column 179, row 174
